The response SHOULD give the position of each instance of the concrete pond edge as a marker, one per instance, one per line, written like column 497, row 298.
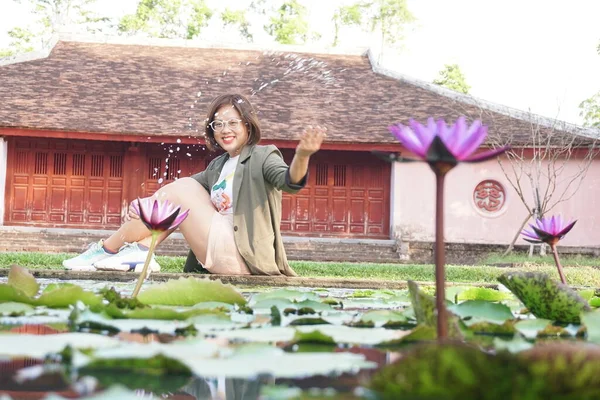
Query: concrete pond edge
column 238, row 280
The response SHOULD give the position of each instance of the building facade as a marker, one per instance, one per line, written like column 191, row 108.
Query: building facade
column 94, row 124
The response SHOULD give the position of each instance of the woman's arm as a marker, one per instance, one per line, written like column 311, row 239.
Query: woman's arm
column 310, row 143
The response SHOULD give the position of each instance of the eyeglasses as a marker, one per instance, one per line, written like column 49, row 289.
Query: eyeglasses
column 218, row 125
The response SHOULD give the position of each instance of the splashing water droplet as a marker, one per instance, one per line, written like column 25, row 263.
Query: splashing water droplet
column 178, row 140
column 199, row 94
column 160, row 181
column 188, row 154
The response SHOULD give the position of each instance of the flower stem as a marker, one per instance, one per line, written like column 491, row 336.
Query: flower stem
column 440, row 278
column 142, row 276
column 558, row 265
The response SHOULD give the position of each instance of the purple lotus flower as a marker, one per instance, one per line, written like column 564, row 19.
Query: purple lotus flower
column 547, row 230
column 438, row 142
column 159, row 216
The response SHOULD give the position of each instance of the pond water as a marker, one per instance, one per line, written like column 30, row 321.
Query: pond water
column 191, row 338
column 234, row 355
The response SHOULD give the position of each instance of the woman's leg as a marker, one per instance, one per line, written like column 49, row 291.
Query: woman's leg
column 184, row 192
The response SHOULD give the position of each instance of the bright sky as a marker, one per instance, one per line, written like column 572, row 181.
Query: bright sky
column 528, row 54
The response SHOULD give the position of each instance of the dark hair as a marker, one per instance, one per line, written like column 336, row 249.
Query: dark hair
column 247, row 113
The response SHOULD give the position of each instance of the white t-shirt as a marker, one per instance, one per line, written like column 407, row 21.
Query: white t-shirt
column 221, row 194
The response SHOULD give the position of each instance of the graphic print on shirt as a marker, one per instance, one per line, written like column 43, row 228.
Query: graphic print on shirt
column 221, row 194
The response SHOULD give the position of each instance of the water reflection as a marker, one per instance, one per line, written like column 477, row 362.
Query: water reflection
column 54, row 378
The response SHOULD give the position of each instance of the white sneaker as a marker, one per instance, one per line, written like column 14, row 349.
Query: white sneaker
column 85, row 261
column 129, row 258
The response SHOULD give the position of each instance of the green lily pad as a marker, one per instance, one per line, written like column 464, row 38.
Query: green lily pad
column 425, row 311
column 315, row 336
column 452, row 292
column 247, row 361
column 423, row 305
column 285, row 294
column 383, row 316
column 54, row 286
column 12, row 294
column 474, row 311
column 487, row 294
column 586, row 294
column 489, row 328
column 15, row 308
column 591, row 320
column 65, row 296
column 544, row 297
column 159, row 313
column 20, row 278
column 156, row 366
column 514, row 345
column 35, row 346
column 214, row 305
column 190, row 291
column 418, row 334
column 283, row 304
column 113, row 392
column 531, row 327
column 595, row 302
column 307, row 321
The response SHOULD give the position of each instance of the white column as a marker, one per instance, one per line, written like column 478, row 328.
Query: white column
column 3, row 166
column 394, row 202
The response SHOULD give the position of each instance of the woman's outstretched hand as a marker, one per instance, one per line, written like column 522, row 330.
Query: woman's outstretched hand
column 310, row 141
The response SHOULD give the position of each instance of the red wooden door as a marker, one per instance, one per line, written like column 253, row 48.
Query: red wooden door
column 163, row 167
column 347, row 195
column 64, row 183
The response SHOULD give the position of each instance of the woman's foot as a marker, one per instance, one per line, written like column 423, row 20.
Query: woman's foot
column 85, row 261
column 130, row 257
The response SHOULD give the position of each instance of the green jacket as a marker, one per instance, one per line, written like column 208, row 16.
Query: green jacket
column 259, row 178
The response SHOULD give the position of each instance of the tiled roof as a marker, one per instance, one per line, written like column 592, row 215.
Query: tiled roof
column 151, row 89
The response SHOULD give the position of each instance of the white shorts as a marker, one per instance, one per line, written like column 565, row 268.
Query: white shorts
column 222, row 255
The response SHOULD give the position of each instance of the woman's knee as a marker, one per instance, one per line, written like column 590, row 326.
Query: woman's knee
column 180, row 190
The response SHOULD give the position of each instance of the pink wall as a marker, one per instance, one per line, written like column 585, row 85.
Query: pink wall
column 413, row 188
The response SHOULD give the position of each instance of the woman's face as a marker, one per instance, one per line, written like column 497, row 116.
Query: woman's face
column 231, row 133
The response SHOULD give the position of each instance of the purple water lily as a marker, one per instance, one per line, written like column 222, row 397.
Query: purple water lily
column 442, row 147
column 549, row 230
column 437, row 142
column 159, row 217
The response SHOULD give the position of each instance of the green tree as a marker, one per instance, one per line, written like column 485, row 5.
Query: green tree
column 167, row 19
column 388, row 17
column 346, row 15
column 50, row 17
column 237, row 18
column 21, row 42
column 590, row 108
column 590, row 111
column 452, row 77
column 289, row 24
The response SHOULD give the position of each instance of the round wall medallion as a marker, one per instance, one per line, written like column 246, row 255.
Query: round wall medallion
column 489, row 196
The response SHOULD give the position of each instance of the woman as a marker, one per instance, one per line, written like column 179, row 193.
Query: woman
column 235, row 204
